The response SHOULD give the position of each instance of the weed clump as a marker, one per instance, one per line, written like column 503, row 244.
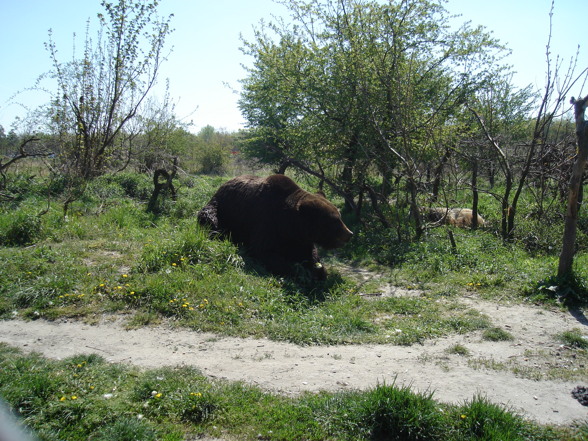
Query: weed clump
column 497, row 334
column 574, row 338
column 19, row 229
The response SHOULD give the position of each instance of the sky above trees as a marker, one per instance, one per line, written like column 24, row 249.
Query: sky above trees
column 205, row 65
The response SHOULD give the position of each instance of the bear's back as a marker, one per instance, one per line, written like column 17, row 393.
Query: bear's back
column 247, row 204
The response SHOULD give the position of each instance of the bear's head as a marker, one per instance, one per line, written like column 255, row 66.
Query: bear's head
column 322, row 222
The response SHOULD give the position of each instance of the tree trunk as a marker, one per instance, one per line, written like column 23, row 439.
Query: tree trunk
column 438, row 173
column 161, row 187
column 414, row 208
column 566, row 258
column 475, row 195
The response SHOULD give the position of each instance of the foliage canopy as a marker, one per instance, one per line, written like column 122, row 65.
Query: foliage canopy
column 102, row 90
column 354, row 90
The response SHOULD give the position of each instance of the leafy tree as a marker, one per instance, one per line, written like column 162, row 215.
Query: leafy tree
column 502, row 113
column 549, row 107
column 100, row 92
column 8, row 142
column 212, row 150
column 359, row 89
column 155, row 137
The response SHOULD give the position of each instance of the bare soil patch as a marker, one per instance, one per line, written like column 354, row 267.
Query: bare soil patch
column 512, row 373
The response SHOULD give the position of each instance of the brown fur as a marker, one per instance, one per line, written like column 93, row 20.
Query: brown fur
column 279, row 223
column 459, row 217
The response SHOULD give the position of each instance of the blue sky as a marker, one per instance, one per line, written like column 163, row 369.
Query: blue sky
column 204, row 67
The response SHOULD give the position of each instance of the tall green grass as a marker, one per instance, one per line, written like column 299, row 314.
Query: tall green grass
column 85, row 397
column 107, row 253
column 103, row 252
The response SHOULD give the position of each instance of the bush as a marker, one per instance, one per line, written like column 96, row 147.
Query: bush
column 132, row 185
column 19, row 229
column 571, row 290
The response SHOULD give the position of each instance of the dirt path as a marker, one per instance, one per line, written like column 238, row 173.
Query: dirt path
column 290, row 369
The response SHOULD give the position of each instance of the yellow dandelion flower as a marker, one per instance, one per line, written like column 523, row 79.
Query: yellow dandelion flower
column 158, row 395
column 125, row 275
column 74, row 397
column 62, row 399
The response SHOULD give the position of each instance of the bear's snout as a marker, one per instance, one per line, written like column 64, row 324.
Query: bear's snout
column 344, row 236
column 347, row 234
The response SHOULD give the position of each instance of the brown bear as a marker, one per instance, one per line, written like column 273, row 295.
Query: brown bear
column 458, row 217
column 279, row 223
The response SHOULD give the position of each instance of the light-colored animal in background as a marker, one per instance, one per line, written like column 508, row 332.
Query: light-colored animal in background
column 458, row 217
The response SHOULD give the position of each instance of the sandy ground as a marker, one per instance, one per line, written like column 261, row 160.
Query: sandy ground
column 290, row 369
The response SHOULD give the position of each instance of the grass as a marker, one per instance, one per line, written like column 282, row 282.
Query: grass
column 575, row 338
column 109, row 255
column 497, row 334
column 85, row 397
column 459, row 349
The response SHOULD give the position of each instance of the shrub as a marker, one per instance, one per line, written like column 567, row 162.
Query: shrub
column 132, row 185
column 571, row 290
column 19, row 229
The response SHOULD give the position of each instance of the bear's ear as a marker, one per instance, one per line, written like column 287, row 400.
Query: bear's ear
column 321, row 193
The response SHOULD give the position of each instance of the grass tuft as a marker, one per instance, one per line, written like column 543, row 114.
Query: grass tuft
column 497, row 334
column 574, row 338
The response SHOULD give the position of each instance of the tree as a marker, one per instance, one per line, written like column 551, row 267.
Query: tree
column 153, row 139
column 100, row 92
column 27, row 149
column 566, row 257
column 548, row 109
column 359, row 93
column 502, row 114
column 212, row 150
